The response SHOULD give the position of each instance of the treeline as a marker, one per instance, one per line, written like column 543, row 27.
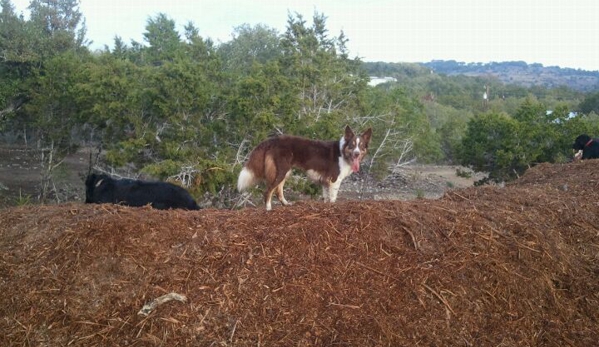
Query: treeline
column 452, row 67
column 178, row 106
column 492, row 127
column 522, row 73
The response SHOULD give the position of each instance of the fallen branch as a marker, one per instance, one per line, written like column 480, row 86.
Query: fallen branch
column 148, row 308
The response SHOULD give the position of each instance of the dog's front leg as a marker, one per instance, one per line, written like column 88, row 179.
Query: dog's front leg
column 325, row 192
column 333, row 190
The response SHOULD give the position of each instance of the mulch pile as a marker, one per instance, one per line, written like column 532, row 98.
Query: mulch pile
column 486, row 266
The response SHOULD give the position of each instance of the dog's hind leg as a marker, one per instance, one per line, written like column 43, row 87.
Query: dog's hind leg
column 270, row 176
column 279, row 191
column 277, row 186
column 268, row 198
column 275, row 179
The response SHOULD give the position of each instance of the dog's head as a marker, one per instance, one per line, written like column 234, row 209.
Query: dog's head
column 580, row 142
column 92, row 182
column 354, row 148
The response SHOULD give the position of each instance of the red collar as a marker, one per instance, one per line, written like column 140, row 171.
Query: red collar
column 588, row 143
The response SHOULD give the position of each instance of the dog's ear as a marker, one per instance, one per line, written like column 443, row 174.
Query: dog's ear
column 349, row 134
column 366, row 136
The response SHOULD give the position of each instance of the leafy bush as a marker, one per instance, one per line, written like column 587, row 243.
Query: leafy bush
column 506, row 146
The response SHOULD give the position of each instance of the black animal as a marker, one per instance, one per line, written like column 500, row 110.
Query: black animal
column 101, row 189
column 588, row 146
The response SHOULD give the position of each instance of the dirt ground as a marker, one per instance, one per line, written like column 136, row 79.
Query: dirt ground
column 408, row 183
column 20, row 176
column 480, row 266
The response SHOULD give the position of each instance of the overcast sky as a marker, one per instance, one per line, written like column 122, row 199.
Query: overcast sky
column 561, row 33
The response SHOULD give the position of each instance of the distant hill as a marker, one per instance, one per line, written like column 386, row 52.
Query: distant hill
column 521, row 73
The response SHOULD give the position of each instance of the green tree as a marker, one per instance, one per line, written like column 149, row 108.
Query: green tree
column 160, row 107
column 108, row 97
column 505, row 146
column 55, row 27
column 250, row 46
column 328, row 83
column 13, row 61
column 590, row 103
column 163, row 40
column 492, row 144
column 260, row 102
column 450, row 126
column 404, row 132
column 55, row 117
column 40, row 64
column 58, row 25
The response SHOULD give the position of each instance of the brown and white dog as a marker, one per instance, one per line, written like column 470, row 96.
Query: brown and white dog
column 325, row 162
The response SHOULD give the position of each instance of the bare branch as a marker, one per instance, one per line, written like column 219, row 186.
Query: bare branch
column 239, row 158
column 185, row 175
column 382, row 145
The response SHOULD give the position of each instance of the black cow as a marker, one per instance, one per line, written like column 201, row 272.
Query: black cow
column 101, row 189
column 588, row 146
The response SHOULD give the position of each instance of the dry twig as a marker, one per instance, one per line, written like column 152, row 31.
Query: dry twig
column 149, row 307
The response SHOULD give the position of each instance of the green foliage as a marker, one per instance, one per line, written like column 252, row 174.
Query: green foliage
column 419, row 194
column 491, row 144
column 55, row 114
column 260, row 102
column 163, row 169
column 590, row 103
column 13, row 40
column 463, row 173
column 33, row 53
column 23, row 199
column 57, row 27
column 207, row 176
column 128, row 151
column 403, row 129
column 327, row 82
column 306, row 186
column 163, row 40
column 177, row 105
column 506, row 146
column 107, row 93
column 249, row 46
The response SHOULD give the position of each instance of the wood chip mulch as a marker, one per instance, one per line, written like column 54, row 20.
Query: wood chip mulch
column 486, row 266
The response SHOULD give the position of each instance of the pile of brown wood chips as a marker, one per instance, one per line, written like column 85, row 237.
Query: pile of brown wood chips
column 486, row 266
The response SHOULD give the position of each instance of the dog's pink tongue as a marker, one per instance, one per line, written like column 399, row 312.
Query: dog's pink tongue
column 355, row 165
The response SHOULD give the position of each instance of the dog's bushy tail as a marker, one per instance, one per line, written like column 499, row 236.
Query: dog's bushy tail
column 246, row 179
